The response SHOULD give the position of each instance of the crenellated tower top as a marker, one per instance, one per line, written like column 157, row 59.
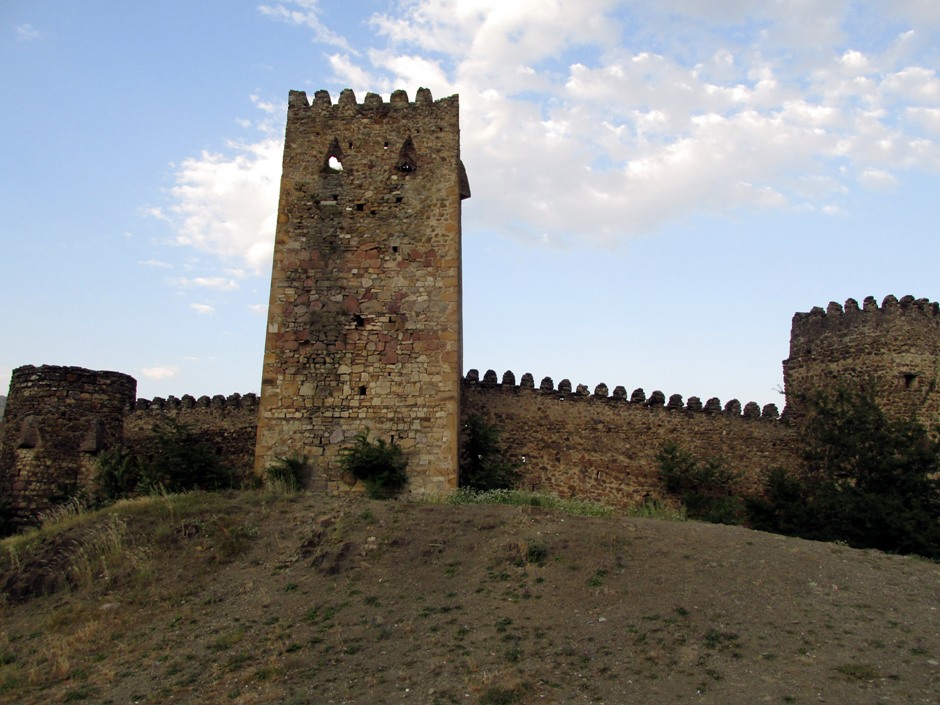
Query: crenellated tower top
column 894, row 347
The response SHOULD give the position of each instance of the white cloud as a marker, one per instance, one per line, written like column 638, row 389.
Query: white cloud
column 202, row 309
column 159, row 264
column 258, row 308
column 877, row 179
column 160, row 372
column 27, row 33
column 226, row 204
column 217, row 283
column 307, row 14
column 600, row 119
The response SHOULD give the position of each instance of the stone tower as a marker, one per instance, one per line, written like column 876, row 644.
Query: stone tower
column 57, row 420
column 364, row 318
column 895, row 347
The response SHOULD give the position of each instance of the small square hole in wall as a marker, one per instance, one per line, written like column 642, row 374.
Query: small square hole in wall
column 910, row 380
column 399, row 199
column 362, row 391
column 360, row 206
column 360, row 321
column 386, row 145
column 395, row 249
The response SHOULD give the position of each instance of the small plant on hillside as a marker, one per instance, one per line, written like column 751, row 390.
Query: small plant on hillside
column 379, row 465
column 484, row 464
column 707, row 490
column 288, row 473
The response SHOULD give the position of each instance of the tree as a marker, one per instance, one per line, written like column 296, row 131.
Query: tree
column 484, row 464
column 870, row 481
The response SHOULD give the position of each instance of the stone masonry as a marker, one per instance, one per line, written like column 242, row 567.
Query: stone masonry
column 364, row 319
column 893, row 349
column 56, row 421
column 364, row 333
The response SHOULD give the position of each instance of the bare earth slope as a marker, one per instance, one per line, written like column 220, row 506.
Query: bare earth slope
column 249, row 598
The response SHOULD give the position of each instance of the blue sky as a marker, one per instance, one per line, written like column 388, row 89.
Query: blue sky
column 657, row 188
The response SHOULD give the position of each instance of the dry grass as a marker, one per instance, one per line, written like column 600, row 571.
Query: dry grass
column 266, row 597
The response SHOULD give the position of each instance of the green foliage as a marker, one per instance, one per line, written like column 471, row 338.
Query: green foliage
column 180, row 461
column 118, row 473
column 289, row 473
column 525, row 498
column 867, row 480
column 7, row 525
column 183, row 462
column 484, row 464
column 379, row 465
column 706, row 490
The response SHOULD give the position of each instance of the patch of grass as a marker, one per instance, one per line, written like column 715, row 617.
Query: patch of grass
column 504, row 694
column 859, row 672
column 536, row 553
column 656, row 509
column 715, row 639
column 597, row 579
column 526, row 498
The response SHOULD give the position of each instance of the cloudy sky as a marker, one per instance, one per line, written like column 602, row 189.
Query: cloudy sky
column 657, row 187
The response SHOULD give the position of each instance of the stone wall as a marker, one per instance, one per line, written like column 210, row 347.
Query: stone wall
column 894, row 348
column 364, row 318
column 603, row 446
column 56, row 421
column 227, row 424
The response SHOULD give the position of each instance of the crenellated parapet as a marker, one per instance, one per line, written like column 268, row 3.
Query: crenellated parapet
column 187, row 401
column 565, row 391
column 892, row 349
column 603, row 444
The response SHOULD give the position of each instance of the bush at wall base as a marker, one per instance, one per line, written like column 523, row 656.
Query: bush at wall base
column 379, row 465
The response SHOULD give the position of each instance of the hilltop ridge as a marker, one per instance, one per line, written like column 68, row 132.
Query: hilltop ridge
column 256, row 598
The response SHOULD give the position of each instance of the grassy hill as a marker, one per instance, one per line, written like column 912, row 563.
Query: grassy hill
column 263, row 598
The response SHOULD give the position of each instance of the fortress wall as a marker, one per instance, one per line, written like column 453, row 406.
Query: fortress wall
column 600, row 447
column 56, row 422
column 227, row 424
column 894, row 347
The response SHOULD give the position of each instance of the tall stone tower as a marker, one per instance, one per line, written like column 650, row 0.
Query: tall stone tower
column 895, row 348
column 364, row 319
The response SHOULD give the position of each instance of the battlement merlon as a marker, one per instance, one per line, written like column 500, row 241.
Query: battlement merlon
column 347, row 99
column 444, row 111
column 808, row 330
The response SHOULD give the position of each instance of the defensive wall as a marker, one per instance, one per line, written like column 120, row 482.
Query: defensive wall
column 596, row 445
column 364, row 331
column 60, row 419
column 603, row 445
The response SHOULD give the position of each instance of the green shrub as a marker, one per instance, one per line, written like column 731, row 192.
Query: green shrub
column 181, row 461
column 869, row 481
column 7, row 525
column 706, row 490
column 379, row 465
column 289, row 473
column 484, row 464
column 118, row 474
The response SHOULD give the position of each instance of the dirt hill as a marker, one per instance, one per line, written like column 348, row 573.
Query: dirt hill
column 254, row 598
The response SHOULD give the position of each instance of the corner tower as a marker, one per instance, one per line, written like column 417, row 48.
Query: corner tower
column 364, row 318
column 895, row 347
